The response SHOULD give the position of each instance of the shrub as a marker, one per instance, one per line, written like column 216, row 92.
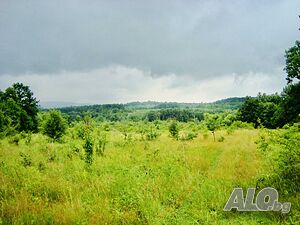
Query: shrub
column 15, row 139
column 152, row 134
column 55, row 125
column 28, row 138
column 88, row 146
column 239, row 124
column 174, row 130
column 221, row 139
column 188, row 137
column 282, row 150
column 25, row 159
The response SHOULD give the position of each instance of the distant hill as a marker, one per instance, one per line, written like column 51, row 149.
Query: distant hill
column 134, row 110
column 233, row 102
column 50, row 105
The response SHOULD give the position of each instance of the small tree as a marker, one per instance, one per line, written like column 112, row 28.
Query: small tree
column 174, row 130
column 212, row 122
column 55, row 125
column 88, row 147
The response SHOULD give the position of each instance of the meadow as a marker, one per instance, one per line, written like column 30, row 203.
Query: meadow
column 134, row 177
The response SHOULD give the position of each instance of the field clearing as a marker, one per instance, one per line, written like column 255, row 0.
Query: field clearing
column 136, row 182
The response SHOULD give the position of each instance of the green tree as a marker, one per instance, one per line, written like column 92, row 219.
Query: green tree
column 3, row 121
column 228, row 119
column 249, row 111
column 262, row 110
column 152, row 116
column 55, row 125
column 292, row 60
column 174, row 130
column 291, row 103
column 18, row 103
column 212, row 122
column 12, row 114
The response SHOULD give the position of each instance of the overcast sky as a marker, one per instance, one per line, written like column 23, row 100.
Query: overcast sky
column 88, row 51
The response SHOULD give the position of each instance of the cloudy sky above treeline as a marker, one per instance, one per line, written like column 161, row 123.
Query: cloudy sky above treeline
column 112, row 51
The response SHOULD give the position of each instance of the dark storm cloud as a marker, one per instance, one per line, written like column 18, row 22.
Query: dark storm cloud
column 195, row 38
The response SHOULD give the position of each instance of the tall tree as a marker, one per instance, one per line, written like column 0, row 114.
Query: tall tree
column 19, row 105
column 291, row 103
column 291, row 93
column 249, row 111
column 292, row 60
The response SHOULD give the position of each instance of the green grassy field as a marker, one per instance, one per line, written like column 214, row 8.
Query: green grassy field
column 163, row 181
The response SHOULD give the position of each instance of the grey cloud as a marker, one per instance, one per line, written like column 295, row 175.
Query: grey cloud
column 123, row 84
column 198, row 38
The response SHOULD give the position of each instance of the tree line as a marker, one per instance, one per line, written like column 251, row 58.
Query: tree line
column 274, row 111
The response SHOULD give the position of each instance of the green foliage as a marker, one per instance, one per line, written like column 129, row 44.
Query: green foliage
column 266, row 110
column 174, row 129
column 101, row 143
column 188, row 136
column 28, row 137
column 88, row 126
column 292, row 60
column 221, row 139
column 275, row 111
column 152, row 133
column 25, row 159
column 54, row 125
column 239, row 124
column 213, row 122
column 152, row 116
column 15, row 139
column 109, row 112
column 148, row 131
column 137, row 111
column 143, row 182
column 181, row 115
column 228, row 119
column 126, row 130
column 282, row 149
column 290, row 107
column 2, row 121
column 88, row 147
column 18, row 109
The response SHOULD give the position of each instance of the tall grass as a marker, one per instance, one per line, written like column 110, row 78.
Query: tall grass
column 136, row 181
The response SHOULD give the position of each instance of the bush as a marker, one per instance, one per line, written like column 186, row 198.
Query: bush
column 88, row 147
column 55, row 125
column 152, row 133
column 188, row 137
column 15, row 139
column 282, row 150
column 221, row 139
column 25, row 159
column 174, row 130
column 240, row 124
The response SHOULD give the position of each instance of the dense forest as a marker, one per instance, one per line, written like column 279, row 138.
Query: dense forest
column 151, row 111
